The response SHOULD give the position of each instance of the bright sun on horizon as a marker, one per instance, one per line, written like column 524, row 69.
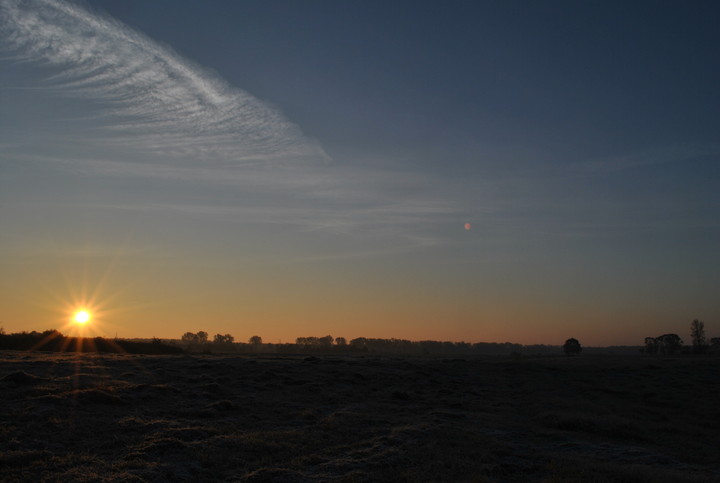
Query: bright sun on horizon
column 81, row 316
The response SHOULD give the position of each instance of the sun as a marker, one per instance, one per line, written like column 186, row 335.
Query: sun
column 81, row 316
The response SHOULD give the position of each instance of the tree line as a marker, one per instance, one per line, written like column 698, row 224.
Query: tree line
column 663, row 344
column 200, row 341
column 201, row 338
column 673, row 344
column 54, row 341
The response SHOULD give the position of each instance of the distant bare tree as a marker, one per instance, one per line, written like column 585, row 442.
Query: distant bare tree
column 255, row 340
column 202, row 336
column 697, row 332
column 341, row 341
column 572, row 347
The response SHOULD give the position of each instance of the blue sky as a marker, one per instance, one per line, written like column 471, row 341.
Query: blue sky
column 299, row 168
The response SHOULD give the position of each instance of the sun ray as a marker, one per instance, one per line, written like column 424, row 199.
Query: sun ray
column 53, row 334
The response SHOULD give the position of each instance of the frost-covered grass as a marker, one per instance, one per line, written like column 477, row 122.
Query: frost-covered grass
column 90, row 417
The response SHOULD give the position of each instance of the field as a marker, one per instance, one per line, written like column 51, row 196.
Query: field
column 94, row 417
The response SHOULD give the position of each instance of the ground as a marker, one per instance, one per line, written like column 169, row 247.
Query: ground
column 90, row 417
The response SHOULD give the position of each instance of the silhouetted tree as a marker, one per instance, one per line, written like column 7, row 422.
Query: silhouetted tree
column 341, row 341
column 360, row 343
column 255, row 340
column 202, row 336
column 572, row 347
column 189, row 337
column 306, row 342
column 651, row 345
column 325, row 343
column 223, row 339
column 669, row 343
column 715, row 344
column 697, row 332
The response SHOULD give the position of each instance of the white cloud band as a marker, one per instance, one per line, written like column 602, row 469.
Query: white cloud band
column 166, row 103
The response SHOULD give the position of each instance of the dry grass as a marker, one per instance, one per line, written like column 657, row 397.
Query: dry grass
column 95, row 417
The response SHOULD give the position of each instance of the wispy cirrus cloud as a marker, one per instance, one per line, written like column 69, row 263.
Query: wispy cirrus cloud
column 164, row 102
column 162, row 117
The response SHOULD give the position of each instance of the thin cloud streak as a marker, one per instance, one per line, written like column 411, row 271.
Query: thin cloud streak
column 646, row 158
column 163, row 102
column 332, row 198
column 405, row 221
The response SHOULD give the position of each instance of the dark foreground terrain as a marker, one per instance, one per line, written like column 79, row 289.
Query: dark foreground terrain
column 152, row 418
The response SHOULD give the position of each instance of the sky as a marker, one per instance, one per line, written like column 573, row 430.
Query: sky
column 469, row 171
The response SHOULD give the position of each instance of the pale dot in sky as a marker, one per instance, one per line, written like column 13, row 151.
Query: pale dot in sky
column 468, row 226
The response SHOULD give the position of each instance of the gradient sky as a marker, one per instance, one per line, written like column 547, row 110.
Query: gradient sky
column 296, row 168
